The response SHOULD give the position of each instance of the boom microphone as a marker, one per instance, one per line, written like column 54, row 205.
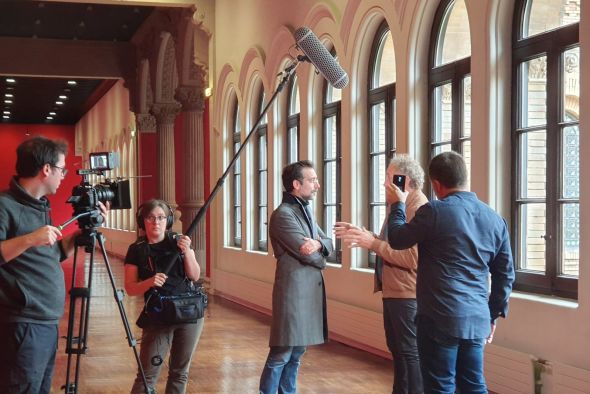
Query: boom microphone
column 319, row 56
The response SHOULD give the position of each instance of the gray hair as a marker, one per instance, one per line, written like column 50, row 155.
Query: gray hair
column 411, row 168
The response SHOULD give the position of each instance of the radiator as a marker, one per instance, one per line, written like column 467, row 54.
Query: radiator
column 508, row 371
column 570, row 380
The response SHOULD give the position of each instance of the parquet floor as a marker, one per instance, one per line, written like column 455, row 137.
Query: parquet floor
column 229, row 356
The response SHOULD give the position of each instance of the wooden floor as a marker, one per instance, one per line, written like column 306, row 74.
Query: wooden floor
column 229, row 356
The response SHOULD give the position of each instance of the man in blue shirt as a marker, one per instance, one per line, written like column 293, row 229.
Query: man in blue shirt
column 462, row 243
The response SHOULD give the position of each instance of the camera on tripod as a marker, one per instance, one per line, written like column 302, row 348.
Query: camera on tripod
column 85, row 197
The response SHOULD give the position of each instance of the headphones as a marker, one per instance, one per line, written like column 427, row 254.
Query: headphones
column 154, row 203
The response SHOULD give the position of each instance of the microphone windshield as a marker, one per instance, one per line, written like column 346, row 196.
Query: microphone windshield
column 317, row 53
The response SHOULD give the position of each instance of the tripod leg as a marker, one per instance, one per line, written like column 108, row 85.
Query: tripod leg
column 119, row 295
column 77, row 345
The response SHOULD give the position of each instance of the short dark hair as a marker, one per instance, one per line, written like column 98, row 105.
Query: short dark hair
column 152, row 204
column 449, row 169
column 34, row 153
column 294, row 171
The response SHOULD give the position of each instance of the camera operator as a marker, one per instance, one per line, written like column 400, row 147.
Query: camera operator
column 32, row 290
column 144, row 263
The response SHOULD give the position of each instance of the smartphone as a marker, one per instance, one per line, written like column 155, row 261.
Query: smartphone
column 400, row 181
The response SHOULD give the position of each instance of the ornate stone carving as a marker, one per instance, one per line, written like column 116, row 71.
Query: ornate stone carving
column 146, row 123
column 192, row 98
column 538, row 68
column 165, row 113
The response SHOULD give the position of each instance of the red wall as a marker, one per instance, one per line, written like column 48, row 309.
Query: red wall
column 12, row 135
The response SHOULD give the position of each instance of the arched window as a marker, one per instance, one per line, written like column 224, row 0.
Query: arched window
column 236, row 185
column 260, row 179
column 545, row 146
column 450, row 81
column 381, row 144
column 331, row 158
column 293, row 110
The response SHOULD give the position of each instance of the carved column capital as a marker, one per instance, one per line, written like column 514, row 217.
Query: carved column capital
column 146, row 123
column 165, row 113
column 192, row 98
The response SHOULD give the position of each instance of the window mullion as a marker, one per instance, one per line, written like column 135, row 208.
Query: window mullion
column 553, row 173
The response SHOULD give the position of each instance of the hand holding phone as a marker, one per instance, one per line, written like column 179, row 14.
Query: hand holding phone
column 400, row 181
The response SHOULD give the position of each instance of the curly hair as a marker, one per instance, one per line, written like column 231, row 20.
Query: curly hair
column 411, row 168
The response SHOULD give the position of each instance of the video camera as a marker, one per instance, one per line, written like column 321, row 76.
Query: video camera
column 85, row 197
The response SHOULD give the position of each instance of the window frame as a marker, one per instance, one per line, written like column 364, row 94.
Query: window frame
column 454, row 73
column 551, row 44
column 386, row 95
column 332, row 110
column 235, row 191
column 259, row 242
column 293, row 121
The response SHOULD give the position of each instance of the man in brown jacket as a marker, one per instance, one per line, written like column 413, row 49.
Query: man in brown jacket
column 395, row 276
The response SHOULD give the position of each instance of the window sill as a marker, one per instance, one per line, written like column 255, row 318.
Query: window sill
column 544, row 299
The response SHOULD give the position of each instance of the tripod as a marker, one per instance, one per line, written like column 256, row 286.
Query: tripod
column 77, row 345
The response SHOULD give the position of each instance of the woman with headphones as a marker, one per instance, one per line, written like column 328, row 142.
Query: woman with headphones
column 144, row 263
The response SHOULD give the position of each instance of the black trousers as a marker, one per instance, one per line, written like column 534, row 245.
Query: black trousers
column 399, row 319
column 27, row 357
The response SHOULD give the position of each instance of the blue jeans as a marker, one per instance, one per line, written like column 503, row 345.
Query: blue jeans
column 449, row 362
column 27, row 357
column 399, row 319
column 280, row 371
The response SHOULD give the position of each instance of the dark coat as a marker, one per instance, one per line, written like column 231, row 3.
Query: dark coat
column 299, row 297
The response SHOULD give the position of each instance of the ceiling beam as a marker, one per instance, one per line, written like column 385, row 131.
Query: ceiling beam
column 63, row 58
column 152, row 3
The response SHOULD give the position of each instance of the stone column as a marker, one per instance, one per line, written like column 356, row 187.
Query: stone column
column 165, row 114
column 193, row 102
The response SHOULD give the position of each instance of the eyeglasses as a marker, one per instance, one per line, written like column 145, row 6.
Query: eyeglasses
column 64, row 171
column 154, row 219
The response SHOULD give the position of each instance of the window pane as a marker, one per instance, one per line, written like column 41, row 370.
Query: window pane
column 238, row 221
column 570, row 247
column 544, row 15
column 378, row 174
column 262, row 229
column 330, row 183
column 378, row 218
column 533, row 159
column 443, row 105
column 330, row 141
column 533, row 104
column 330, row 215
column 466, row 153
column 466, row 106
column 532, row 218
column 454, row 41
column 378, row 129
column 332, row 94
column 294, row 99
column 571, row 85
column 263, row 187
column 264, row 119
column 292, row 153
column 571, row 162
column 262, row 152
column 385, row 67
column 442, row 148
